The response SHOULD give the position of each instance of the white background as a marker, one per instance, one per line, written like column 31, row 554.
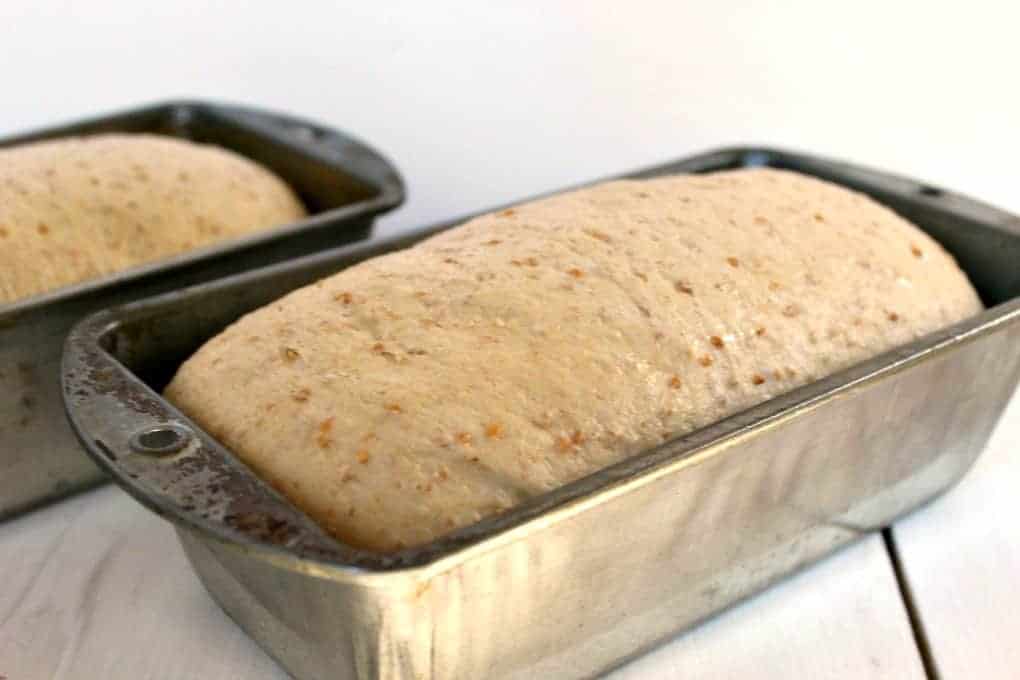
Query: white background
column 481, row 102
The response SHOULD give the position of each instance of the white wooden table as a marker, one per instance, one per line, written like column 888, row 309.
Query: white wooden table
column 97, row 587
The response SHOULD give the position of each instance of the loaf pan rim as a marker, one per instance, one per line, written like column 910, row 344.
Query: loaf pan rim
column 779, row 409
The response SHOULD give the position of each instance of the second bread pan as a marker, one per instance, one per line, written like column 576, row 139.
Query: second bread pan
column 575, row 581
column 343, row 183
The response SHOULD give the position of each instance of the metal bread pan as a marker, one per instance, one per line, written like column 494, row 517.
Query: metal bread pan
column 344, row 185
column 576, row 581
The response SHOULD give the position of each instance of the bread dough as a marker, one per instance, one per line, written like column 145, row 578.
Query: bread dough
column 426, row 389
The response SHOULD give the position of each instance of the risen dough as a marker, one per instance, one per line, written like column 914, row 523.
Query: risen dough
column 423, row 390
column 80, row 208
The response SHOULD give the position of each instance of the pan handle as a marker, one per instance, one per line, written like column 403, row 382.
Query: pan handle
column 167, row 462
column 357, row 157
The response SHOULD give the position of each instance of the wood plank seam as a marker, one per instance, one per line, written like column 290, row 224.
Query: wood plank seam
column 921, row 640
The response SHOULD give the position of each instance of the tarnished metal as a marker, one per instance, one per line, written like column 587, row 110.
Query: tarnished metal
column 574, row 582
column 344, row 184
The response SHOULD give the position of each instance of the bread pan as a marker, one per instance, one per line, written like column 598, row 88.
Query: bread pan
column 576, row 581
column 344, row 185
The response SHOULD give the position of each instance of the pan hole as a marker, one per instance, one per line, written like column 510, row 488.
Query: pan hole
column 755, row 159
column 928, row 190
column 181, row 120
column 161, row 440
column 306, row 133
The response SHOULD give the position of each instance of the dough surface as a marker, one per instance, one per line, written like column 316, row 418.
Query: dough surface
column 84, row 207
